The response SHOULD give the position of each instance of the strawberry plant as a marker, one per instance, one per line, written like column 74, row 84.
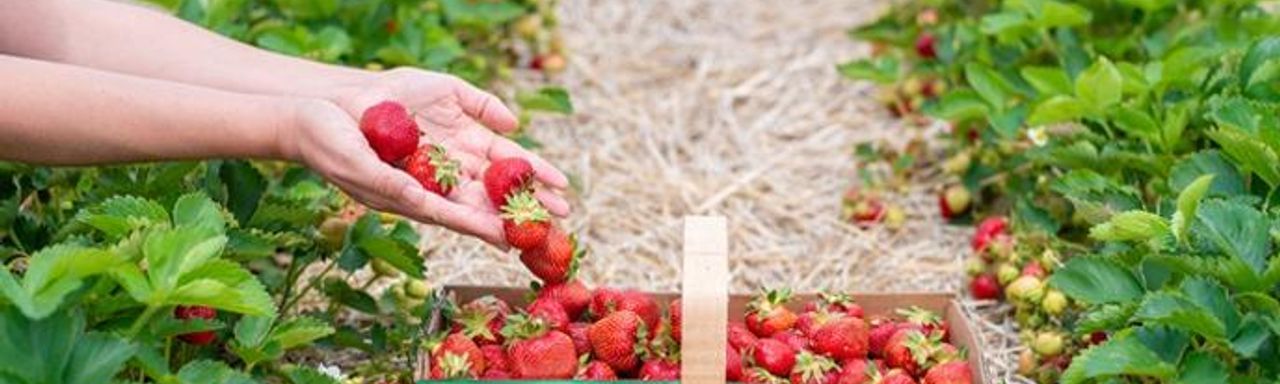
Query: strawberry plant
column 1099, row 128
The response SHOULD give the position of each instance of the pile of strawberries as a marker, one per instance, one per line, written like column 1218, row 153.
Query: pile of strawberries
column 568, row 331
column 831, row 341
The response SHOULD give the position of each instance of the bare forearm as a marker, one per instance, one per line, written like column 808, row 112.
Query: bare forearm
column 65, row 115
column 130, row 39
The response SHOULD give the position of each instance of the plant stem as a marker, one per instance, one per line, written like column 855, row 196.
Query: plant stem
column 291, row 279
column 305, row 290
column 142, row 320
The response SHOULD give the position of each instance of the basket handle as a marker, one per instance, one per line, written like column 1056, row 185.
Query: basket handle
column 705, row 299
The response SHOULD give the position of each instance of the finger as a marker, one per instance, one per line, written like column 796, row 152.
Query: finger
column 502, row 148
column 484, row 107
column 472, row 194
column 554, row 203
column 419, row 204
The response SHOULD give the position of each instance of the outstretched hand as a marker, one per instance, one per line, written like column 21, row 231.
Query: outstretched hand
column 451, row 113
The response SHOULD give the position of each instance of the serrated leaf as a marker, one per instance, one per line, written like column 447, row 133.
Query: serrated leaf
column 482, row 13
column 306, row 375
column 882, row 70
column 1188, row 203
column 1261, row 58
column 1048, row 81
column 1252, row 337
column 56, row 349
column 959, row 105
column 1137, row 124
column 1003, row 23
column 168, row 326
column 1051, row 14
column 212, row 372
column 989, row 84
column 120, row 215
column 172, row 253
column 52, row 274
column 1131, row 226
column 1202, row 368
column 252, row 331
column 1105, row 318
column 245, row 186
column 339, row 291
column 1176, row 311
column 300, row 331
column 1100, row 86
column 1119, row 356
column 1236, row 230
column 404, row 258
column 1057, row 109
column 1096, row 281
column 550, row 99
column 1250, row 153
column 1211, row 296
column 1226, row 180
column 198, row 209
column 226, row 286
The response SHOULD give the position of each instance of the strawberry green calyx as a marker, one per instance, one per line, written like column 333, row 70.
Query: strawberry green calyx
column 447, row 169
column 579, row 253
column 454, row 366
column 770, row 300
column 475, row 324
column 811, row 367
column 923, row 348
column 762, row 376
column 524, row 327
column 920, row 316
column 836, row 298
column 522, row 207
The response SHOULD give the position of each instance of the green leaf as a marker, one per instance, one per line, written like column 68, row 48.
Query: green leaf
column 1202, row 368
column 1236, row 230
column 404, row 258
column 1056, row 110
column 1002, row 23
column 1131, row 226
column 1249, row 152
column 172, row 253
column 1226, row 180
column 480, row 13
column 987, row 83
column 1168, row 343
column 1051, row 14
column 1252, row 336
column 56, row 349
column 212, row 372
column 959, row 105
column 245, row 187
column 1137, row 124
column 1174, row 310
column 198, row 210
column 223, row 285
column 339, row 291
column 1188, row 203
column 1258, row 69
column 252, row 331
column 1211, row 296
column 550, row 99
column 1122, row 355
column 52, row 274
column 1149, row 5
column 1094, row 280
column 882, row 70
column 1048, row 81
column 119, row 215
column 1105, row 318
column 306, row 375
column 1100, row 86
column 301, row 331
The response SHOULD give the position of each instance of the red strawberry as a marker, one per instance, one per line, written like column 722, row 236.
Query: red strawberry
column 433, row 168
column 842, row 338
column 505, row 177
column 482, row 320
column 924, row 46
column 674, row 309
column 618, row 340
column 894, row 376
column 954, row 201
column 603, row 301
column 495, row 358
column 813, row 369
column 496, row 374
column 457, row 357
column 988, row 229
column 196, row 312
column 525, row 222
column 774, row 356
column 793, row 339
column 578, row 332
column 1033, row 268
column 551, row 312
column 907, row 350
column 768, row 314
column 855, row 371
column 732, row 364
column 537, row 352
column 572, row 295
column 659, row 369
column 642, row 305
column 390, row 131
column 556, row 260
column 984, row 287
column 956, row 372
column 740, row 338
column 929, row 321
column 1097, row 337
column 881, row 330
column 806, row 321
column 597, row 370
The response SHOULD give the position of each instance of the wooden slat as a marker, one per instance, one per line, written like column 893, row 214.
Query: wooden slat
column 704, row 299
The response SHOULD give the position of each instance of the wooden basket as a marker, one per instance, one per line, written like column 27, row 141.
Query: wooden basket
column 707, row 306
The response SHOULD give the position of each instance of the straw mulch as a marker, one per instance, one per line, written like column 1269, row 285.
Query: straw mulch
column 728, row 108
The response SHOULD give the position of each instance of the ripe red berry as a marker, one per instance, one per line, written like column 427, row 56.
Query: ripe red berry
column 924, row 46
column 196, row 312
column 390, row 131
column 984, row 287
